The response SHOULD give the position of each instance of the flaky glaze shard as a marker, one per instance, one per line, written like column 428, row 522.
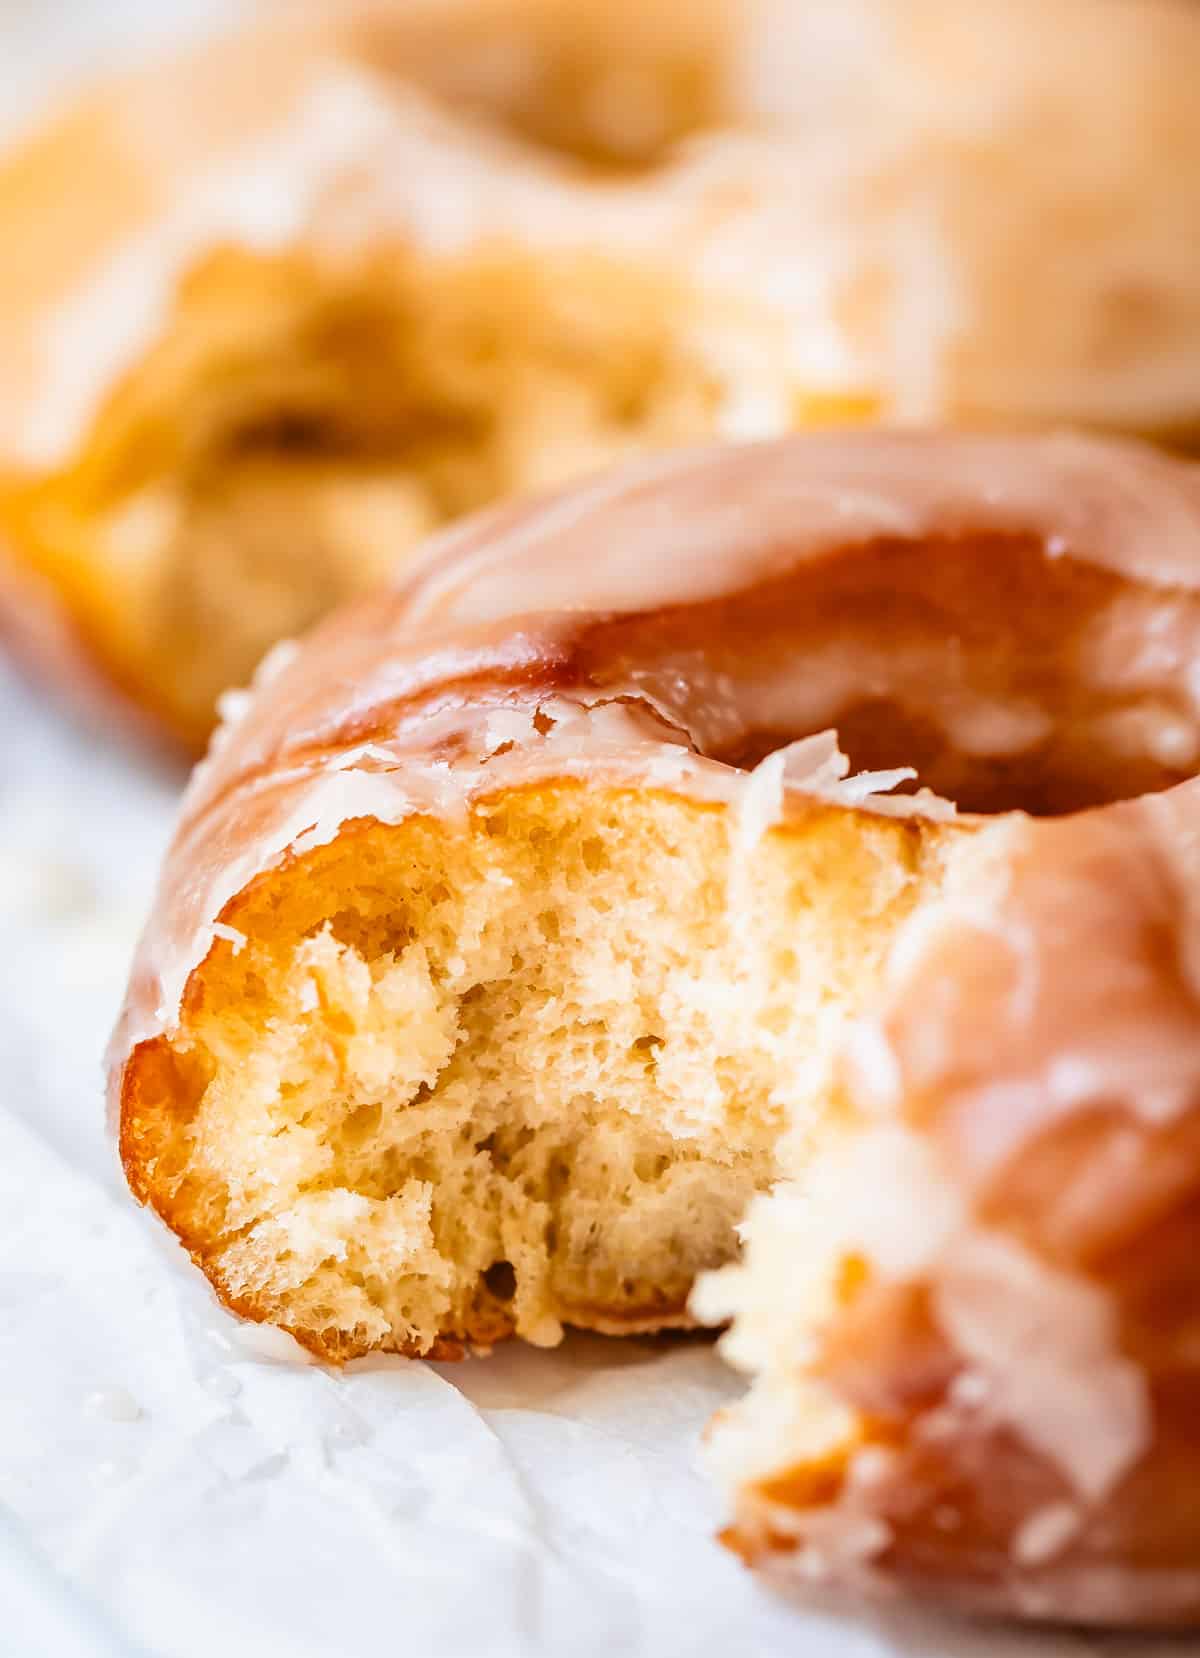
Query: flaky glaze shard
column 1036, row 604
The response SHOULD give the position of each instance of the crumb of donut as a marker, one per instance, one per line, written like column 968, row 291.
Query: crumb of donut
column 790, row 1442
column 298, row 429
column 465, row 1081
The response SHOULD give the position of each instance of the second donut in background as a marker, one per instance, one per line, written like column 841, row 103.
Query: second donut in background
column 343, row 279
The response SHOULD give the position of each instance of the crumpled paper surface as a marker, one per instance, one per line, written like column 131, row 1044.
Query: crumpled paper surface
column 178, row 1484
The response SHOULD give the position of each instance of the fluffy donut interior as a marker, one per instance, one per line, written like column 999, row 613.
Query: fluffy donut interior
column 299, row 426
column 464, row 1081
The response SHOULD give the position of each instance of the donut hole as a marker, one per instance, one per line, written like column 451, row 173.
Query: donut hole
column 1010, row 676
column 450, row 1122
column 1089, row 760
column 500, row 1280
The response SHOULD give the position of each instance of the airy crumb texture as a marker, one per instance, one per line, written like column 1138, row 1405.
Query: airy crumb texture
column 299, row 428
column 465, row 1080
column 802, row 1259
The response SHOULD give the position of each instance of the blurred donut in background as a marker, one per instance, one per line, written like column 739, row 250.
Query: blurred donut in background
column 276, row 309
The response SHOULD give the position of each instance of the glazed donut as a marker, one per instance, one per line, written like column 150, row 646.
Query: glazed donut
column 529, row 919
column 354, row 274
